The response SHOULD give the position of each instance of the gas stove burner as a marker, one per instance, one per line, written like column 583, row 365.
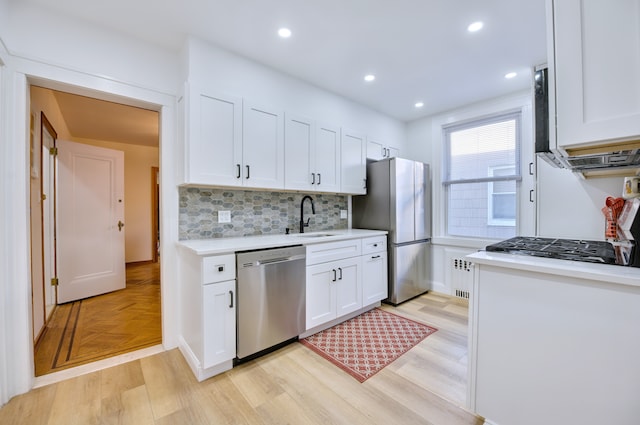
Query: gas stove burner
column 563, row 249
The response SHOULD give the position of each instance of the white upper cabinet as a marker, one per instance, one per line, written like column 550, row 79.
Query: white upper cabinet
column 327, row 158
column 233, row 142
column 378, row 150
column 312, row 155
column 353, row 162
column 262, row 147
column 299, row 143
column 214, row 138
column 594, row 58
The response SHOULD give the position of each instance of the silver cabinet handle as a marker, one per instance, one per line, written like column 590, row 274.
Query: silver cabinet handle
column 375, row 256
column 248, row 171
column 319, row 179
column 531, row 195
column 334, row 275
column 238, row 175
column 231, row 295
column 340, row 268
column 364, row 183
column 313, row 178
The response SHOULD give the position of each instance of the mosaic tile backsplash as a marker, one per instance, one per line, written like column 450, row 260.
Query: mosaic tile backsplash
column 254, row 213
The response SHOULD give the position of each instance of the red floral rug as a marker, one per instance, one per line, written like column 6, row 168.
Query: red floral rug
column 364, row 345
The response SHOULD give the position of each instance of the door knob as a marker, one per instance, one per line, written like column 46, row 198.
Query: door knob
column 120, row 225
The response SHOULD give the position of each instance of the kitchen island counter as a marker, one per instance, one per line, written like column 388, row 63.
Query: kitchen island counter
column 607, row 273
column 553, row 341
column 246, row 243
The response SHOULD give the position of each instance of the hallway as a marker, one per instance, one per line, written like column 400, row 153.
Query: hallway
column 107, row 325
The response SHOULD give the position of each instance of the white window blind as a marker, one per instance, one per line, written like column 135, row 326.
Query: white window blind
column 481, row 170
column 472, row 148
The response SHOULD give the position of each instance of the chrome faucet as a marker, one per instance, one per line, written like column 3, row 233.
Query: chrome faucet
column 313, row 210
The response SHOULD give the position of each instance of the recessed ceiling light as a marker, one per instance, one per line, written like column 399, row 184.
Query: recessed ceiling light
column 284, row 32
column 419, row 104
column 476, row 26
column 369, row 77
column 510, row 75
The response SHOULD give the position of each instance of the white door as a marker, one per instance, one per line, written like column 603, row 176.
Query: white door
column 90, row 221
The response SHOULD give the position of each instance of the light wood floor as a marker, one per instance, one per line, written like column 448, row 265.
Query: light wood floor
column 290, row 386
column 95, row 328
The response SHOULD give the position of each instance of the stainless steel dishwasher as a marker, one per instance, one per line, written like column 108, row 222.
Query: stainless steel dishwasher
column 271, row 299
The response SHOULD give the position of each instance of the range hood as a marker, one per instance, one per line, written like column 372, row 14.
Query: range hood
column 608, row 159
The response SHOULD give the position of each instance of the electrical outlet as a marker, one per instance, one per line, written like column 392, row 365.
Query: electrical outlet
column 343, row 213
column 224, row 216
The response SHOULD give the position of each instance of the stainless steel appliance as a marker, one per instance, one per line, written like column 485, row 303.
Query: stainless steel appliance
column 271, row 299
column 399, row 200
column 625, row 155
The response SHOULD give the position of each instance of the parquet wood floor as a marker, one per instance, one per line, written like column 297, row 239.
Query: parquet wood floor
column 293, row 385
column 95, row 328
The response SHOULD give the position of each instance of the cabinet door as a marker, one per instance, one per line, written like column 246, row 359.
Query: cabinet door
column 374, row 278
column 348, row 286
column 299, row 142
column 321, row 294
column 375, row 150
column 213, row 149
column 353, row 162
column 262, row 147
column 392, row 152
column 596, row 64
column 327, row 155
column 219, row 327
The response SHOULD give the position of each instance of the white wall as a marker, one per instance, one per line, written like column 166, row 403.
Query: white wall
column 46, row 36
column 569, row 206
column 45, row 50
column 221, row 71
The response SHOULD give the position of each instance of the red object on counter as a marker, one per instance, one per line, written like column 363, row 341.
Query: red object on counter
column 613, row 208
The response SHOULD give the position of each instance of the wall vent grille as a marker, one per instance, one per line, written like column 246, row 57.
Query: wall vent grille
column 461, row 277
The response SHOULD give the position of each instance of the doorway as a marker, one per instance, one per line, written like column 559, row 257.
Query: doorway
column 96, row 122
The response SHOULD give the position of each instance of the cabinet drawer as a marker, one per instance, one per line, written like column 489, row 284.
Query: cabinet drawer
column 374, row 244
column 218, row 268
column 331, row 251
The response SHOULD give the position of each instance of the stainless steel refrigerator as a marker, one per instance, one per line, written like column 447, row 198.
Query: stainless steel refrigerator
column 398, row 200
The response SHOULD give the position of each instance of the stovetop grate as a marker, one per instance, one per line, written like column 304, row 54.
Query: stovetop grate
column 563, row 249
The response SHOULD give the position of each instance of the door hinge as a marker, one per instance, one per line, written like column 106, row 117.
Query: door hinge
column 44, row 196
column 53, row 151
column 54, row 281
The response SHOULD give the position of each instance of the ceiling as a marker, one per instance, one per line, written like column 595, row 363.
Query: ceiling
column 88, row 118
column 419, row 50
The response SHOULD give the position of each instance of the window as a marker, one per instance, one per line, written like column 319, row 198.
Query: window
column 502, row 197
column 481, row 171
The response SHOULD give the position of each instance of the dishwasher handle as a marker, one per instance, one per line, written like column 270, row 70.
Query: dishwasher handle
column 276, row 260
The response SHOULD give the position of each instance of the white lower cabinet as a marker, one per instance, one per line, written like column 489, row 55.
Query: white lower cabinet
column 208, row 304
column 374, row 270
column 333, row 289
column 219, row 322
column 344, row 277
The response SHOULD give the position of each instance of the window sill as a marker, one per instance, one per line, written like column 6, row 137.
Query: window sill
column 463, row 242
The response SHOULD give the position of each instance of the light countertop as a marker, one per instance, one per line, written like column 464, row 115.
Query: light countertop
column 592, row 271
column 231, row 245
